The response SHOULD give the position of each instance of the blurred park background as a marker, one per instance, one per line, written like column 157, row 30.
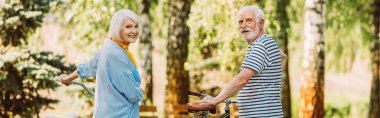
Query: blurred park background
column 332, row 47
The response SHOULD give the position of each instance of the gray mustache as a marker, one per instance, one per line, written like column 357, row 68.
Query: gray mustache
column 245, row 30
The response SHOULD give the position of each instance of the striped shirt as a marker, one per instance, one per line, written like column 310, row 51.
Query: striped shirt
column 261, row 96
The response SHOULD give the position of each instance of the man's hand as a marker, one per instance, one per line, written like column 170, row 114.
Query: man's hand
column 209, row 99
column 64, row 79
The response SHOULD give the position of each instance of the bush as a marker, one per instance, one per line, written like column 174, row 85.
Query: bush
column 337, row 111
column 24, row 74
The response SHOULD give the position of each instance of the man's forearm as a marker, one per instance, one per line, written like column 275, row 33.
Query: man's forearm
column 233, row 87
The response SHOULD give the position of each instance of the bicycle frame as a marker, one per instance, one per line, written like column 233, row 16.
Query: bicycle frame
column 91, row 92
column 85, row 87
column 204, row 114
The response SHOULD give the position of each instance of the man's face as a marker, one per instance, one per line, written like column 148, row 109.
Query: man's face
column 129, row 31
column 248, row 25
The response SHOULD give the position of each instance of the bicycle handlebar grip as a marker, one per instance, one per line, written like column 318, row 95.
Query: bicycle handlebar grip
column 194, row 93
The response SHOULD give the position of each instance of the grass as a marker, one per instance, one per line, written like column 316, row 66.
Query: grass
column 338, row 108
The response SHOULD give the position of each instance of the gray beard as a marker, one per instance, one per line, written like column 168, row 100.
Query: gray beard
column 251, row 35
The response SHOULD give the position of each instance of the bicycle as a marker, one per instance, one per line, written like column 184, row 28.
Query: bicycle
column 204, row 108
column 73, row 115
column 91, row 92
column 84, row 87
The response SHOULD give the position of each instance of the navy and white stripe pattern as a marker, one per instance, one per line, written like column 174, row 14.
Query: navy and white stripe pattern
column 260, row 98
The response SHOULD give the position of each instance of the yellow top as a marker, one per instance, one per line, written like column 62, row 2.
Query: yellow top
column 125, row 47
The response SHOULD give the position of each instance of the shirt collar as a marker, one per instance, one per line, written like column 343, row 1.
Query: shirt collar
column 122, row 44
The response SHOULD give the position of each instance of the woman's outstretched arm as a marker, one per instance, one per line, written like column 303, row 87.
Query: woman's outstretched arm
column 83, row 71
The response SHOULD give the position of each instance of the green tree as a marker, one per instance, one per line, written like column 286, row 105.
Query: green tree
column 25, row 73
column 348, row 37
column 21, row 17
column 374, row 107
column 347, row 34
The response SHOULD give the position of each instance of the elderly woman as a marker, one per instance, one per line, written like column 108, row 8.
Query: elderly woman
column 118, row 89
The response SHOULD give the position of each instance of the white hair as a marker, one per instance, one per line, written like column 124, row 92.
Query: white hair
column 118, row 19
column 255, row 10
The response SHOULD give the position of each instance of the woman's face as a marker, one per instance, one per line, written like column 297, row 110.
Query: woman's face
column 129, row 31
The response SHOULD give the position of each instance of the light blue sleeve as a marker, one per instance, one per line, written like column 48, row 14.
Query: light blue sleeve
column 88, row 69
column 123, row 77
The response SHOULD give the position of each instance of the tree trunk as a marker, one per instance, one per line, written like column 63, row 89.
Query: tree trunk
column 374, row 110
column 146, row 50
column 283, row 20
column 312, row 88
column 178, row 77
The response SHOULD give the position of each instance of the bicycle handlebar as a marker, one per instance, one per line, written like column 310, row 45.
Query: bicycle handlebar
column 226, row 108
column 85, row 87
column 194, row 93
column 90, row 91
column 199, row 94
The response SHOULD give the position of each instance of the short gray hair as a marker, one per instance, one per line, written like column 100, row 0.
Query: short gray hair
column 255, row 9
column 118, row 19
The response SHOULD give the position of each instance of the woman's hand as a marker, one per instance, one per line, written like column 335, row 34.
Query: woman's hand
column 64, row 79
column 67, row 79
column 284, row 58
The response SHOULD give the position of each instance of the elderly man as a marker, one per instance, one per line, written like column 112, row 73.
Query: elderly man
column 259, row 82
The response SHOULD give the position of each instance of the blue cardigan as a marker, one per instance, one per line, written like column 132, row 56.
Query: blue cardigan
column 118, row 89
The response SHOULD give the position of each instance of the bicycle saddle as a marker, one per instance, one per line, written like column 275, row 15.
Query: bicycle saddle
column 201, row 106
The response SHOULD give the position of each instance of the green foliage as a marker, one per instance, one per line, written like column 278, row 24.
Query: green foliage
column 86, row 22
column 337, row 107
column 21, row 17
column 277, row 23
column 215, row 40
column 24, row 75
column 341, row 112
column 160, row 22
column 346, row 109
column 348, row 32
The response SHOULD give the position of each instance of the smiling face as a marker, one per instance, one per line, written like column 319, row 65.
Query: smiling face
column 249, row 27
column 129, row 31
